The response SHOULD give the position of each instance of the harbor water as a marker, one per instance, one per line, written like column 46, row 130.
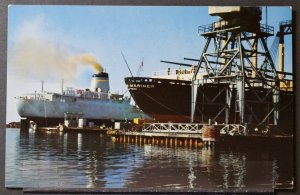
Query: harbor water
column 93, row 160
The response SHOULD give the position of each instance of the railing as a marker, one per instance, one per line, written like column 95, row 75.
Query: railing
column 35, row 96
column 267, row 29
column 54, row 96
column 205, row 28
column 225, row 129
column 172, row 72
column 173, row 127
column 176, row 72
column 164, row 72
column 287, row 22
column 264, row 28
column 85, row 94
column 233, row 129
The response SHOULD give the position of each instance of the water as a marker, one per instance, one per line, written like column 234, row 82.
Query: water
column 91, row 160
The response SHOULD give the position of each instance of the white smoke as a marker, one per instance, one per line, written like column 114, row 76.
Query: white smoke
column 33, row 55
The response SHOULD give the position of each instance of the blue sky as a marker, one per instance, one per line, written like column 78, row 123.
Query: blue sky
column 151, row 32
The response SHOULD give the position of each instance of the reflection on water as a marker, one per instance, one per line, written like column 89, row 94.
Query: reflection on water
column 80, row 160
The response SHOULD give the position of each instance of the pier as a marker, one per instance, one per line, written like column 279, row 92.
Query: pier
column 73, row 129
column 199, row 135
column 164, row 139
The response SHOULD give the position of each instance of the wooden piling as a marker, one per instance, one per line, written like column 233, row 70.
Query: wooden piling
column 185, row 142
column 196, row 143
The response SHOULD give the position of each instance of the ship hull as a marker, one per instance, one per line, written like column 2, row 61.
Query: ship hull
column 164, row 100
column 168, row 100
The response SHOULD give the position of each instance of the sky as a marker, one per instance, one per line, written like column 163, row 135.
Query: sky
column 49, row 42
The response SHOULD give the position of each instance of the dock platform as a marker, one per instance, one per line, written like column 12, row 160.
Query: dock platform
column 199, row 135
column 158, row 138
column 58, row 129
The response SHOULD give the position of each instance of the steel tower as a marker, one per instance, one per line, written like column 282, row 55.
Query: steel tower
column 236, row 58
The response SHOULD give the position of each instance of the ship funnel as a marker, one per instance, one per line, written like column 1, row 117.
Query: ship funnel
column 100, row 82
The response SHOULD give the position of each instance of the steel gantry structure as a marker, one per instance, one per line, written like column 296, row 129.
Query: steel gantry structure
column 236, row 80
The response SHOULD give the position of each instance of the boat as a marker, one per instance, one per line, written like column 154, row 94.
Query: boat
column 96, row 105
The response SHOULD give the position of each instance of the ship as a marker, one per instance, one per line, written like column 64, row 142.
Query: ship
column 166, row 95
column 96, row 105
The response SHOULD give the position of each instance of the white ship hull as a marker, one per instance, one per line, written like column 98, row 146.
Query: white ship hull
column 91, row 109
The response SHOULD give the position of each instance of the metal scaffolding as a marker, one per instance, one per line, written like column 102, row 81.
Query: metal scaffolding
column 237, row 60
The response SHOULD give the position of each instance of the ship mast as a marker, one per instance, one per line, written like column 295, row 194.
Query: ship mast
column 62, row 89
column 42, row 90
column 126, row 64
column 138, row 73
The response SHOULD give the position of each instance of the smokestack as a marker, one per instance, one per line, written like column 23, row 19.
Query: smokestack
column 100, row 82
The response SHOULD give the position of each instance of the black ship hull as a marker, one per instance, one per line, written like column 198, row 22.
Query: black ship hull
column 168, row 100
column 164, row 100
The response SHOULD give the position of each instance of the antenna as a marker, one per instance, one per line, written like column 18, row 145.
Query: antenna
column 140, row 68
column 266, row 15
column 62, row 89
column 266, row 23
column 42, row 86
column 62, row 86
column 127, row 64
